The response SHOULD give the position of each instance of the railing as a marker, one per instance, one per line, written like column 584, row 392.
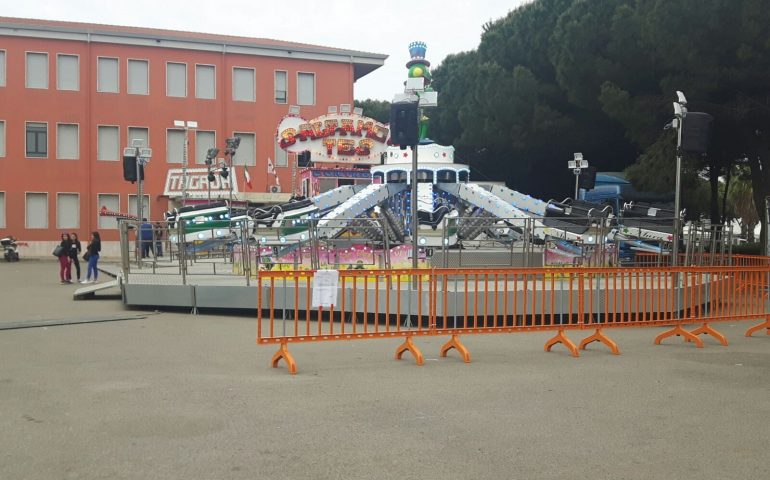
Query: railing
column 453, row 302
column 244, row 248
column 185, row 252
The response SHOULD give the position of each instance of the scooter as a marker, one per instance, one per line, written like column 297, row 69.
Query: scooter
column 10, row 250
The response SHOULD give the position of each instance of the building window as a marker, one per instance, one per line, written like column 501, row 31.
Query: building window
column 107, row 143
column 246, row 153
column 67, row 210
column 2, row 68
column 111, row 202
column 306, row 89
column 203, row 141
column 174, row 146
column 138, row 133
column 37, row 70
column 37, row 210
column 107, row 75
column 37, row 140
column 2, row 138
column 2, row 209
column 138, row 77
column 67, row 142
column 67, row 72
column 205, row 82
column 176, row 79
column 281, row 157
column 281, row 87
column 145, row 205
column 243, row 84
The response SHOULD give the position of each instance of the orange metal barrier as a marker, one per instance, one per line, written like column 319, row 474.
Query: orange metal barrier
column 454, row 302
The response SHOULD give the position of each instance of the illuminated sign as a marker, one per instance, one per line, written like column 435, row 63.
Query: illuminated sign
column 198, row 185
column 342, row 138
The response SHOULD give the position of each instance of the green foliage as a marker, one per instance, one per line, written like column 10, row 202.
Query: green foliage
column 376, row 109
column 555, row 77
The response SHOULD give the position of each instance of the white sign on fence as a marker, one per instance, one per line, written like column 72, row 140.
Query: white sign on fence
column 325, row 284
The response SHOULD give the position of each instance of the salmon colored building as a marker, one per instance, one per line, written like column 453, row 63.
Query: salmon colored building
column 74, row 95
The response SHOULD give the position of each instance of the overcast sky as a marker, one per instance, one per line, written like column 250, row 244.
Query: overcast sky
column 381, row 27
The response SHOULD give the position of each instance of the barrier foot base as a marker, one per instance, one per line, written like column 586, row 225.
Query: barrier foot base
column 766, row 325
column 561, row 337
column 678, row 330
column 706, row 329
column 409, row 346
column 456, row 344
column 283, row 353
column 600, row 337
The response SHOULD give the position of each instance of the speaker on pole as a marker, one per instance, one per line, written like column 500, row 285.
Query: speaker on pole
column 403, row 124
column 587, row 178
column 696, row 132
column 303, row 159
column 129, row 169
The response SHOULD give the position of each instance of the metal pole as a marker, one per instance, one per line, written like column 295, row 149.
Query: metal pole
column 232, row 179
column 139, row 202
column 184, row 167
column 766, row 226
column 414, row 201
column 138, row 208
column 577, row 178
column 677, row 205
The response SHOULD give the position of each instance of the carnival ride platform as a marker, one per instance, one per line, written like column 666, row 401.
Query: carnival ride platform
column 516, row 294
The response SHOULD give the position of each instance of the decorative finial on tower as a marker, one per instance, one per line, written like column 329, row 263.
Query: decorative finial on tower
column 418, row 66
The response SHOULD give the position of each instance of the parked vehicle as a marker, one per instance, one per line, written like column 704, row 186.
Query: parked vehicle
column 10, row 250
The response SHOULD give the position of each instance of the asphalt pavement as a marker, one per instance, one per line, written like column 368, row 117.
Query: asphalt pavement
column 172, row 395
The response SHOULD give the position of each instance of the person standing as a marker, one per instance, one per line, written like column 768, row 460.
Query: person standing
column 74, row 253
column 92, row 250
column 158, row 239
column 65, row 267
column 145, row 235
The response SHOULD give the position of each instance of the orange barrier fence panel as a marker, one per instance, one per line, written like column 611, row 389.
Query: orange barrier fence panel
column 453, row 302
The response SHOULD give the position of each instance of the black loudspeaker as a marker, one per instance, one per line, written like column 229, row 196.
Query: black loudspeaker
column 696, row 132
column 587, row 178
column 303, row 159
column 403, row 124
column 129, row 169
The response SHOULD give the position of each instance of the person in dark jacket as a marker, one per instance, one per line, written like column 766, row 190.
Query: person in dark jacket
column 92, row 250
column 65, row 265
column 145, row 235
column 74, row 253
column 158, row 239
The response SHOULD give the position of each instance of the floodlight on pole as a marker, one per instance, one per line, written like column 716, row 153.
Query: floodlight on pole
column 680, row 112
column 231, row 146
column 210, row 155
column 187, row 125
column 577, row 164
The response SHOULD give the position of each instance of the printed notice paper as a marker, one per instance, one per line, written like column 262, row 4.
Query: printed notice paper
column 325, row 287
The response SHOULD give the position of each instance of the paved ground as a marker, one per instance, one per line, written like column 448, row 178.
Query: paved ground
column 176, row 396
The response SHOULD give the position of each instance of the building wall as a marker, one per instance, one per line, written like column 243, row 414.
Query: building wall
column 156, row 111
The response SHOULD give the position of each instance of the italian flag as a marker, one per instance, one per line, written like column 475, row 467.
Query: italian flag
column 246, row 175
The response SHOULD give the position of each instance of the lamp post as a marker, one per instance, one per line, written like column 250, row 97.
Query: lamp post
column 231, row 146
column 142, row 155
column 186, row 125
column 577, row 165
column 210, row 156
column 680, row 112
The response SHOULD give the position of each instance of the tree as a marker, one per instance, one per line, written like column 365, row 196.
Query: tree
column 376, row 109
column 559, row 76
column 741, row 202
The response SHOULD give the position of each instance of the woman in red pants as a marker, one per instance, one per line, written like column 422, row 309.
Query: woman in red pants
column 65, row 262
